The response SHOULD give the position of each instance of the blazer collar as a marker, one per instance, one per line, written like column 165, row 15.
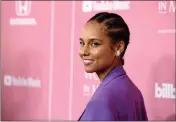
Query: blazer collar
column 115, row 72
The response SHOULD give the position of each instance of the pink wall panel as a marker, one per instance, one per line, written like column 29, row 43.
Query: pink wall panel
column 43, row 77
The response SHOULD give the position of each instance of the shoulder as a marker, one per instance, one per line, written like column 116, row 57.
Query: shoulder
column 123, row 90
column 122, row 85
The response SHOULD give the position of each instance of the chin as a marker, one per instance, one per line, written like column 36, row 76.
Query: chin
column 89, row 70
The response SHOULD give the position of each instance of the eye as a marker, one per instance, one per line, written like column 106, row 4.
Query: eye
column 81, row 43
column 95, row 44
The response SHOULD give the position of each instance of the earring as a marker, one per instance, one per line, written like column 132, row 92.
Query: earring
column 118, row 53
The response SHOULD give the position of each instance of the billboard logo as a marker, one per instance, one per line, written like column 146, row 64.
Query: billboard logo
column 165, row 91
column 23, row 10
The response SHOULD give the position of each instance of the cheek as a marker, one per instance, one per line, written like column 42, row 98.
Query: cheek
column 103, row 54
column 80, row 53
column 97, row 53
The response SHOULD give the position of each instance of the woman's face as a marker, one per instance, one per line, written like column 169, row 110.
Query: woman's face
column 95, row 48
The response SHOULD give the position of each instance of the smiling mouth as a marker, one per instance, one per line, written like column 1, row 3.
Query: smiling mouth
column 87, row 62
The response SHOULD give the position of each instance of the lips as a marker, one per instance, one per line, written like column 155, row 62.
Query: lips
column 87, row 61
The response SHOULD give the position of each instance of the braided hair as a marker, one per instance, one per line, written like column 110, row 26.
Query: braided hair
column 116, row 28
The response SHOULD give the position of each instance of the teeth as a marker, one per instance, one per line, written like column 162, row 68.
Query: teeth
column 87, row 61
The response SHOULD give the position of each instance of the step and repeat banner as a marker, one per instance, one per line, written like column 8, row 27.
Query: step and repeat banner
column 43, row 77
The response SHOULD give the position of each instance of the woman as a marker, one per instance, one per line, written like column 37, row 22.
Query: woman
column 103, row 41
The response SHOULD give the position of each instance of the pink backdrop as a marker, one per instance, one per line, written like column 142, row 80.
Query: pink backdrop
column 43, row 77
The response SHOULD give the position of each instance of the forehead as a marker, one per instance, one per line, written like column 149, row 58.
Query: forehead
column 93, row 29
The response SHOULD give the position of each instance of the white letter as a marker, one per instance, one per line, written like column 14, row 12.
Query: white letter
column 23, row 9
column 158, row 91
column 173, row 95
column 162, row 6
column 172, row 6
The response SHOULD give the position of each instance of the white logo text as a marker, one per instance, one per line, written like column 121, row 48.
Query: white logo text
column 88, row 6
column 23, row 10
column 165, row 91
column 21, row 81
column 166, row 6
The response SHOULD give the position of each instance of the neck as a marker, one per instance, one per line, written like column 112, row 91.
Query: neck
column 102, row 74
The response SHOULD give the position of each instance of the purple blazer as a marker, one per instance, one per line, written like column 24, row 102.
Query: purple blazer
column 116, row 99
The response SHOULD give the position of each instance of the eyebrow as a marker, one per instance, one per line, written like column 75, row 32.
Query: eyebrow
column 80, row 39
column 91, row 39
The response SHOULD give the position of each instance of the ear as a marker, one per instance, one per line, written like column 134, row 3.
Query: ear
column 121, row 46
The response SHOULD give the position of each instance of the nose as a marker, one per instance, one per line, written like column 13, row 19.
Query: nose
column 84, row 51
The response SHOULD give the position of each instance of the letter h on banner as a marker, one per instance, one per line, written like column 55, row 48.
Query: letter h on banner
column 23, row 8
